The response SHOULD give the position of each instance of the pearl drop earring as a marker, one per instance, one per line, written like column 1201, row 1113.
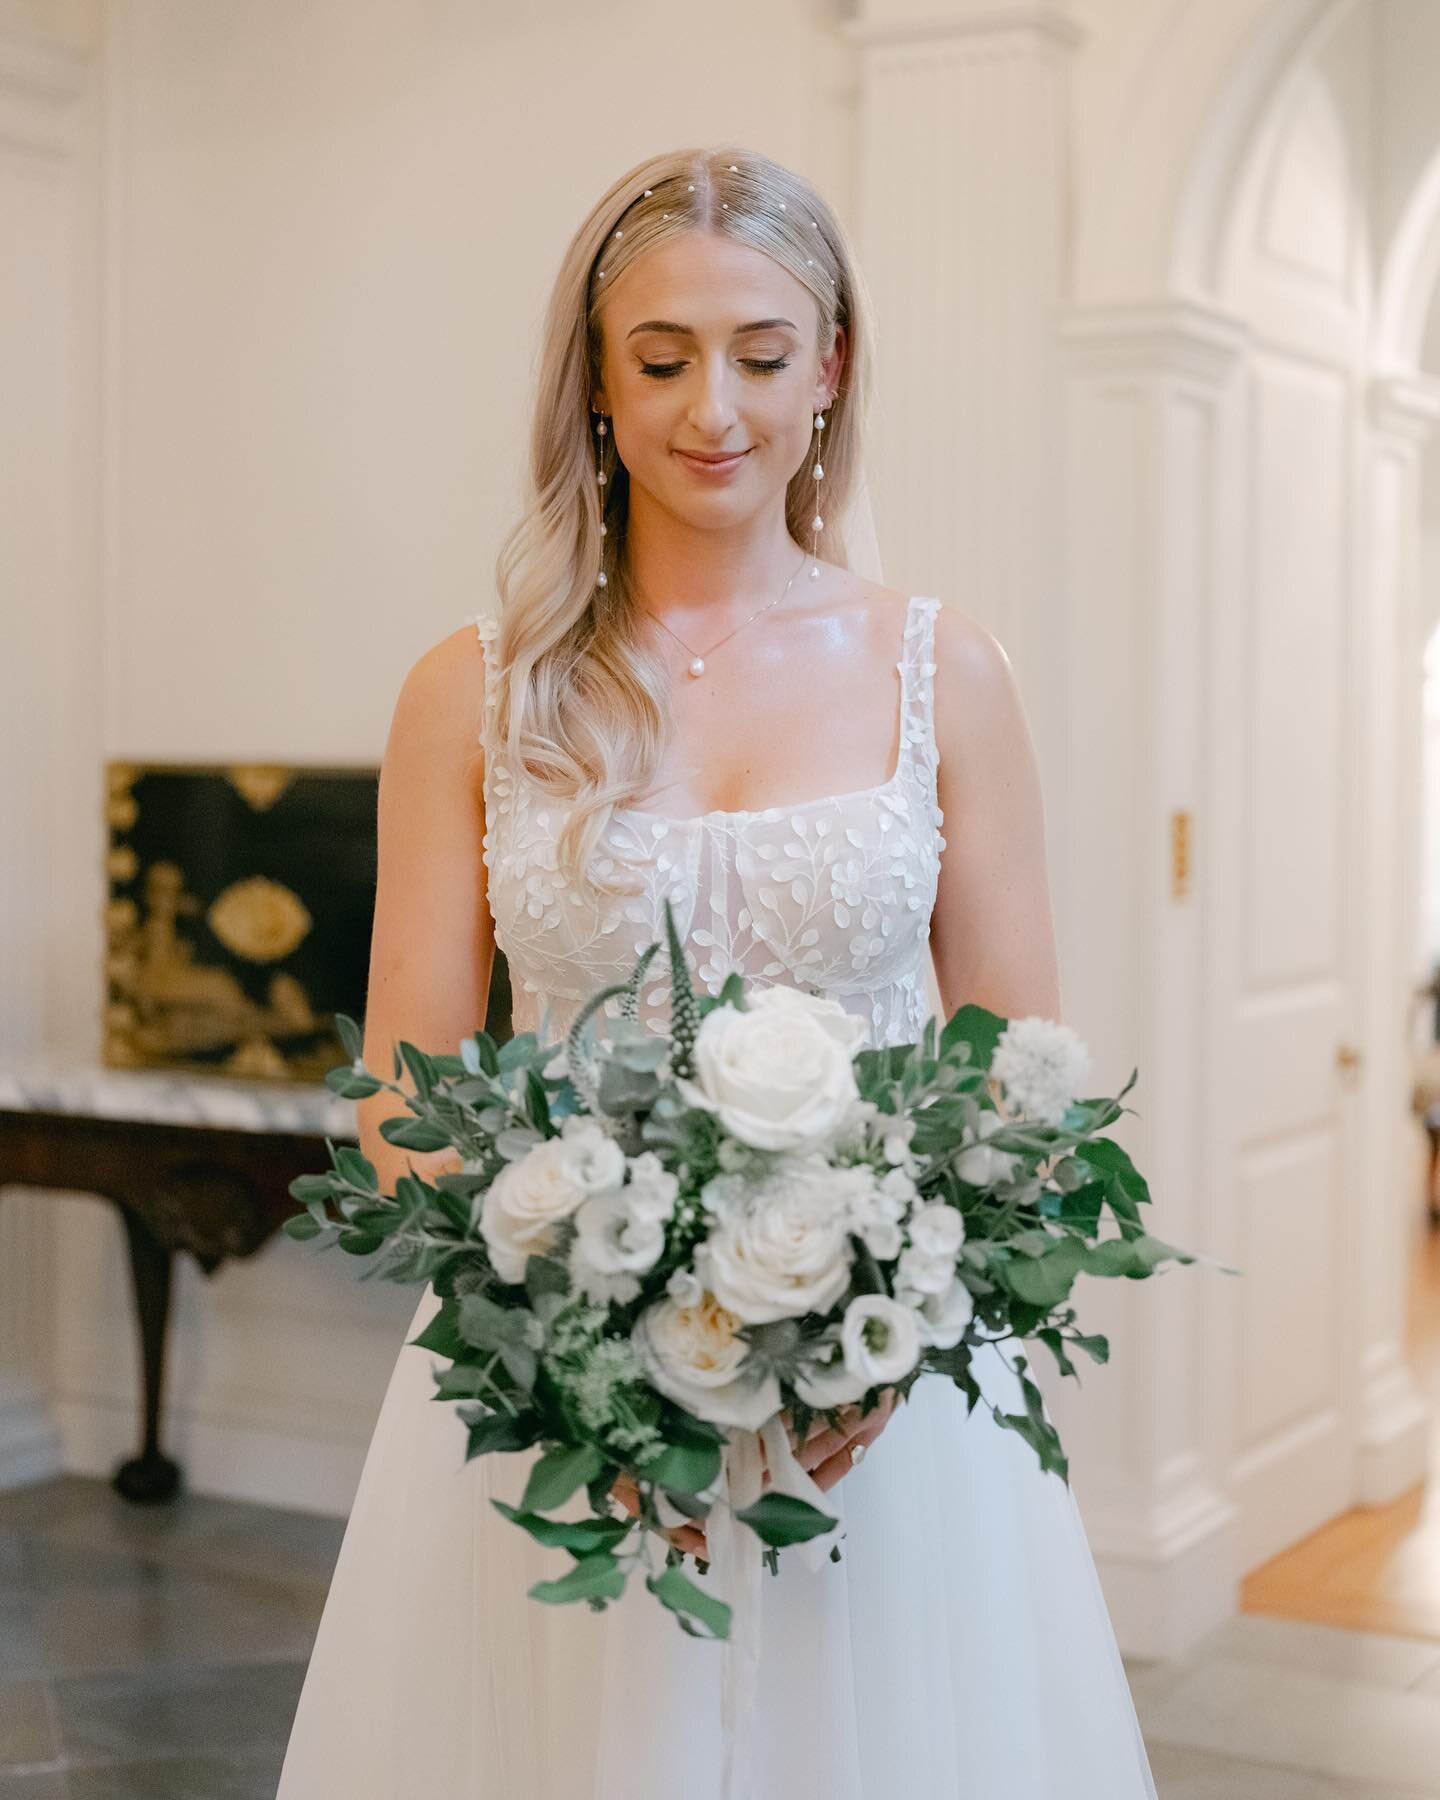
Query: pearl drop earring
column 601, row 579
column 817, row 524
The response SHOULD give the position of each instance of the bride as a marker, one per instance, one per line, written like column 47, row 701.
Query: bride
column 691, row 691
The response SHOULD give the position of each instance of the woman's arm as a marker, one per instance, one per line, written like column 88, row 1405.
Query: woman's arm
column 432, row 946
column 991, row 934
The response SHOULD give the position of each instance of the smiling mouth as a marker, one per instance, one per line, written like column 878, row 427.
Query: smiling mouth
column 711, row 461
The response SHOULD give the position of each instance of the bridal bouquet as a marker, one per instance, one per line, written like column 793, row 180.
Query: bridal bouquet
column 658, row 1248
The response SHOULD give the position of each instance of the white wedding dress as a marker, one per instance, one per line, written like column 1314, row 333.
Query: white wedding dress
column 960, row 1648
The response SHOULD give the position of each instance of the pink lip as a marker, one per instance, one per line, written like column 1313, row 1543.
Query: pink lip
column 718, row 464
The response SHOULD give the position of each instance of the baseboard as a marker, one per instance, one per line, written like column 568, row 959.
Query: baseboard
column 30, row 1443
column 1393, row 1453
column 1169, row 1577
column 229, row 1460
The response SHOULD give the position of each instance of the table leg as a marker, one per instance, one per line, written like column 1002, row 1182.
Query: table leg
column 152, row 1475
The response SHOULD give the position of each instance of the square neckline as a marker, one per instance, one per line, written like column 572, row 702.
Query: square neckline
column 799, row 806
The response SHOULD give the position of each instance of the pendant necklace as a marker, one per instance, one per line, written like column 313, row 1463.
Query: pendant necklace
column 696, row 666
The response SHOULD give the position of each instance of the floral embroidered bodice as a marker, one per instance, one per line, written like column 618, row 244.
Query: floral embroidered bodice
column 833, row 895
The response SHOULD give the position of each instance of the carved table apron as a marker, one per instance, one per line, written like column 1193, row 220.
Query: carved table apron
column 155, row 1146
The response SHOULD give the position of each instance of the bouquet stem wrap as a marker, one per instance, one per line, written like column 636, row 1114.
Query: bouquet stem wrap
column 736, row 1561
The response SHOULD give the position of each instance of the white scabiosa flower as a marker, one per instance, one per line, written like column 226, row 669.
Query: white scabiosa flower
column 1042, row 1065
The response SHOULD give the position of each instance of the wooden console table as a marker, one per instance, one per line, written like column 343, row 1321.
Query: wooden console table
column 195, row 1163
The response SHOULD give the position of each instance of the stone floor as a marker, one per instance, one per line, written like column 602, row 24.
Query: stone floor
column 158, row 1655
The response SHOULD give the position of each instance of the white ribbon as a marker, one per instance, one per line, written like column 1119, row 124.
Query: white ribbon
column 735, row 1558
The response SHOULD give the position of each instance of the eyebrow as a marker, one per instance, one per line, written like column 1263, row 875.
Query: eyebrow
column 685, row 330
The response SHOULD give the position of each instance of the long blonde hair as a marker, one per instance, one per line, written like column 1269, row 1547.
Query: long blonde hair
column 582, row 701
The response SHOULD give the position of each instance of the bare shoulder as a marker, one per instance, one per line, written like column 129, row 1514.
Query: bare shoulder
column 442, row 695
column 980, row 725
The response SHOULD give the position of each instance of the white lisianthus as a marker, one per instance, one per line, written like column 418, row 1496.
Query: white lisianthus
column 693, row 1355
column 1042, row 1065
column 525, row 1205
column 779, row 1074
column 612, row 1247
column 981, row 1165
column 876, row 1209
column 943, row 1318
column 595, row 1161
column 827, row 1381
column 651, row 1191
column 880, row 1338
column 922, row 1273
column 783, row 1247
column 937, row 1229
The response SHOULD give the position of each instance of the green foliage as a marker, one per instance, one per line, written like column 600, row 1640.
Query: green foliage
column 780, row 1519
column 692, row 1606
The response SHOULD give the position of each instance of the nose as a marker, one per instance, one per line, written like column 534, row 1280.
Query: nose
column 712, row 410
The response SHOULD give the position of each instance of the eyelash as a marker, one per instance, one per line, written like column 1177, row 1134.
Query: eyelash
column 663, row 371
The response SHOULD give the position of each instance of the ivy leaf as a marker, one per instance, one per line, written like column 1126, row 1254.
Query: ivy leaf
column 501, row 1431
column 582, row 1536
column 780, row 1519
column 442, row 1335
column 595, row 1577
column 1045, row 1281
column 689, row 1601
column 557, row 1475
column 687, row 1468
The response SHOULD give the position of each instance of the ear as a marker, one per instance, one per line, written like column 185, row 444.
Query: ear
column 827, row 378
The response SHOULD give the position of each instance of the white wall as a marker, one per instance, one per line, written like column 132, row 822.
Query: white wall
column 331, row 232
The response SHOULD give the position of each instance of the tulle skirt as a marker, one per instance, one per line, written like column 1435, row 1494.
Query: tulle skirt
column 961, row 1647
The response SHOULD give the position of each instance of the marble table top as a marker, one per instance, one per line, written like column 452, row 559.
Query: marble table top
column 53, row 1082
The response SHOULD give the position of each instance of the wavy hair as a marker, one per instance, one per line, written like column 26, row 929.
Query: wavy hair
column 582, row 702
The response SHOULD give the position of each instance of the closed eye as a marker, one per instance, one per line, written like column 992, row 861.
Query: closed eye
column 661, row 371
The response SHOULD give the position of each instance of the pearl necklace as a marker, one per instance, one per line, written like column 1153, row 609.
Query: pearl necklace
column 696, row 666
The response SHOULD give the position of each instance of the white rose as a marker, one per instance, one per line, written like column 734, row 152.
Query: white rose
column 778, row 1075
column 525, row 1205
column 651, row 1190
column 595, row 1162
column 693, row 1355
column 980, row 1165
column 881, row 1339
column 784, row 1248
column 943, row 1318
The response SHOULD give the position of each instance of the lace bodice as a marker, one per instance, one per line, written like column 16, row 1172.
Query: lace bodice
column 833, row 895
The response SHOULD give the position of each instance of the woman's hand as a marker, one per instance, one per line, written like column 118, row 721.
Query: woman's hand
column 690, row 1538
column 825, row 1452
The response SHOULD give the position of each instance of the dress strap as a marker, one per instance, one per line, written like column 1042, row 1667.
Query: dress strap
column 917, row 672
column 487, row 629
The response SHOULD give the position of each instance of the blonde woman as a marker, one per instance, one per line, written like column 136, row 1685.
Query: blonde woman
column 690, row 689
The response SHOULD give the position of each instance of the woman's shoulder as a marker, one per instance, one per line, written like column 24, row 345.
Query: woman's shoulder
column 442, row 694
